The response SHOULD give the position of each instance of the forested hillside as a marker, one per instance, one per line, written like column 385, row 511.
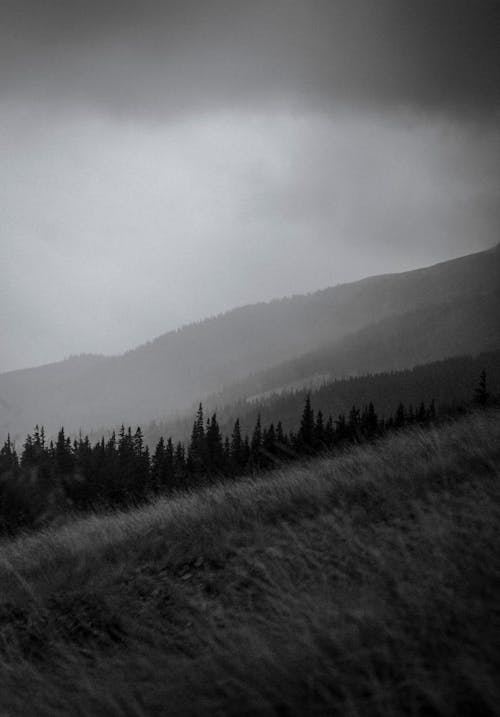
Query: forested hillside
column 44, row 480
column 448, row 382
column 454, row 303
column 467, row 325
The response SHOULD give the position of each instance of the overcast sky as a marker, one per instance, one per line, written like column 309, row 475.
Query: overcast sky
column 165, row 161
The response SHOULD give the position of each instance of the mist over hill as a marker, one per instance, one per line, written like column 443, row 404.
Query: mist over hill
column 448, row 382
column 378, row 323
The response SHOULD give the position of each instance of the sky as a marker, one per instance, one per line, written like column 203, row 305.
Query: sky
column 164, row 161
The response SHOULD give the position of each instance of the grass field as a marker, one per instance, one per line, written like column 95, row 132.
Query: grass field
column 367, row 584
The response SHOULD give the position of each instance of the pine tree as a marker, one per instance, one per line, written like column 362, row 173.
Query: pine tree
column 269, row 447
column 421, row 413
column 180, row 466
column 369, row 421
column 341, row 429
column 329, row 433
column 269, row 439
column 197, row 458
column 319, row 432
column 354, row 424
column 481, row 394
column 246, row 452
column 157, row 466
column 8, row 457
column 256, row 444
column 281, row 437
column 237, row 460
column 214, row 447
column 400, row 417
column 63, row 455
column 305, row 436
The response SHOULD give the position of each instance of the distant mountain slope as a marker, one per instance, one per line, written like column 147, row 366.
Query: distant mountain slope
column 449, row 382
column 461, row 326
column 169, row 373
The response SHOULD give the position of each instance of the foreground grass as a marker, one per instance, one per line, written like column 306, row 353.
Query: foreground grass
column 362, row 585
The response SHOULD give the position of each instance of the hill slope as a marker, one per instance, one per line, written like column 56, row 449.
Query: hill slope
column 449, row 382
column 179, row 367
column 366, row 584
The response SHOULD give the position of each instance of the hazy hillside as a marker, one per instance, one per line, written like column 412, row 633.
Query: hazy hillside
column 181, row 366
column 449, row 382
column 361, row 585
column 464, row 325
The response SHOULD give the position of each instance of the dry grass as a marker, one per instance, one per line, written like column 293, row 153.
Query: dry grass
column 362, row 585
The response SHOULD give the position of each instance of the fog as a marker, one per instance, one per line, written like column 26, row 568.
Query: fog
column 161, row 162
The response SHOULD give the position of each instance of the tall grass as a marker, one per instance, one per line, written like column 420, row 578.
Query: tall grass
column 362, row 585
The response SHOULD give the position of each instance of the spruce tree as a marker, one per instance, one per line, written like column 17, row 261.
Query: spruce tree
column 319, row 432
column 256, row 444
column 197, row 458
column 157, row 466
column 329, row 433
column 481, row 394
column 237, row 460
column 281, row 437
column 214, row 447
column 8, row 457
column 305, row 436
column 400, row 417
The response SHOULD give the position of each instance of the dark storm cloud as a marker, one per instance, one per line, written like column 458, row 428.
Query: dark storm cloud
column 152, row 56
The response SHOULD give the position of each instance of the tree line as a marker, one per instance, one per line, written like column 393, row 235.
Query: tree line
column 50, row 478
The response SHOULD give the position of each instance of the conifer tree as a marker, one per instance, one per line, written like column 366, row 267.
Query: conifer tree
column 319, row 432
column 8, row 457
column 256, row 443
column 214, row 447
column 329, row 432
column 400, row 417
column 180, row 467
column 305, row 436
column 269, row 439
column 197, row 458
column 63, row 455
column 421, row 413
column 370, row 420
column 341, row 429
column 237, row 460
column 157, row 466
column 481, row 394
column 281, row 437
column 245, row 452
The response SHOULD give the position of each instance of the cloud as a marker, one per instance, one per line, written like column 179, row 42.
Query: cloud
column 113, row 233
column 157, row 58
column 161, row 161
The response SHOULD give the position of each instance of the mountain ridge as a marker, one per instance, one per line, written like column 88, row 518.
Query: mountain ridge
column 167, row 374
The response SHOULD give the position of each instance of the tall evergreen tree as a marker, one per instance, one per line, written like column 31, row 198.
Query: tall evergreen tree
column 64, row 458
column 197, row 457
column 400, row 417
column 329, row 432
column 319, row 432
column 237, row 459
column 8, row 457
column 481, row 394
column 305, row 436
column 214, row 447
column 256, row 443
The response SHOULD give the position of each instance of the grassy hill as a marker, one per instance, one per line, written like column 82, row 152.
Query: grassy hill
column 378, row 323
column 365, row 584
